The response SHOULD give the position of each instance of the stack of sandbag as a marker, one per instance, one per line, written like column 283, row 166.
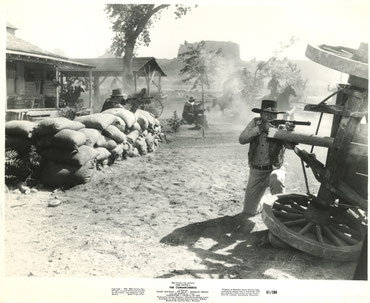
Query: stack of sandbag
column 18, row 136
column 66, row 160
column 106, row 133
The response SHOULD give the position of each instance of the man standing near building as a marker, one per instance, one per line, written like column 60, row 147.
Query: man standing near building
column 265, row 158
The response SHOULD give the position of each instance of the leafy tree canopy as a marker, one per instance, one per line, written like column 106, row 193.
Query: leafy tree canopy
column 131, row 23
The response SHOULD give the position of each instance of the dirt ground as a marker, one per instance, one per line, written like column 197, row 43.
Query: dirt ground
column 170, row 214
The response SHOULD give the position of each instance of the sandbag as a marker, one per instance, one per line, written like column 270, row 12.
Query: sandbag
column 80, row 157
column 92, row 135
column 149, row 139
column 143, row 122
column 120, row 124
column 118, row 150
column 56, row 174
column 124, row 114
column 19, row 128
column 49, row 126
column 44, row 142
column 68, row 139
column 106, row 142
column 132, row 136
column 98, row 121
column 20, row 144
column 114, row 133
column 141, row 146
column 103, row 153
column 143, row 113
column 135, row 126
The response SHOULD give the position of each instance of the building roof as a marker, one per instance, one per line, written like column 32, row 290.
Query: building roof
column 17, row 48
column 9, row 25
column 115, row 65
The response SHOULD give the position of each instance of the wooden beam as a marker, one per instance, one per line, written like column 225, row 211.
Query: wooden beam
column 294, row 137
column 101, row 82
column 119, row 80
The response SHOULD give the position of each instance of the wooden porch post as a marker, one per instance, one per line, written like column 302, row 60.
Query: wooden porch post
column 148, row 82
column 90, row 89
column 57, row 88
column 96, row 89
column 159, row 83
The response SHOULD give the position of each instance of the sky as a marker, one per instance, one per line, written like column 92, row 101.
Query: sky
column 81, row 29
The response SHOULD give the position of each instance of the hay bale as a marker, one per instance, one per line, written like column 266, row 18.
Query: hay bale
column 19, row 128
column 50, row 126
column 98, row 121
column 124, row 114
column 92, row 135
column 80, row 157
column 114, row 133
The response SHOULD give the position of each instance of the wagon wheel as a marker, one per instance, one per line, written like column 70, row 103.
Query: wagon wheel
column 327, row 232
column 155, row 107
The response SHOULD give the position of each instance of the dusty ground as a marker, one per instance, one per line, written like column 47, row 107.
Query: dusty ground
column 166, row 215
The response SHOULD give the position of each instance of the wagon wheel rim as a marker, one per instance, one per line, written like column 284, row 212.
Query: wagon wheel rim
column 327, row 233
column 155, row 107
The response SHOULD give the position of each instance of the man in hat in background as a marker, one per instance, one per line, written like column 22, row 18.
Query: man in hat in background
column 188, row 113
column 265, row 158
column 116, row 100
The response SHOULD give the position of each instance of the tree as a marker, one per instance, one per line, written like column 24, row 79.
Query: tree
column 200, row 66
column 131, row 24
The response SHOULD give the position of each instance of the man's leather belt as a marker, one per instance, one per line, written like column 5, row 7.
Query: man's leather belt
column 262, row 167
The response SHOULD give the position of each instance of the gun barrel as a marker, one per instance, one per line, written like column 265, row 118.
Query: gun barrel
column 277, row 122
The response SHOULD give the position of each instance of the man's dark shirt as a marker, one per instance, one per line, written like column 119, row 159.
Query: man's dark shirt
column 112, row 103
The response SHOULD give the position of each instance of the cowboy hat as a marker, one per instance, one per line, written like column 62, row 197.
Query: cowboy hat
column 117, row 93
column 191, row 99
column 268, row 106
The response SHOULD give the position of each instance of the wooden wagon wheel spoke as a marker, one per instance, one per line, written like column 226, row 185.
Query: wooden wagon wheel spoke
column 345, row 229
column 318, row 233
column 328, row 233
column 298, row 207
column 286, row 208
column 305, row 229
column 287, row 215
column 342, row 236
column 295, row 222
column 314, row 231
column 299, row 201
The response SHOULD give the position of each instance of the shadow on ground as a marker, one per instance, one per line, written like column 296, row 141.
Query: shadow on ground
column 239, row 251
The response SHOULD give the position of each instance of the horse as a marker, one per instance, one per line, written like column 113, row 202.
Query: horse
column 282, row 100
column 223, row 102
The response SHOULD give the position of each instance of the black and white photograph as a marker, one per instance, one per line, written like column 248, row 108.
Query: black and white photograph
column 194, row 151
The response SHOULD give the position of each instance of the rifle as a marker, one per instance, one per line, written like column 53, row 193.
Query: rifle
column 137, row 102
column 278, row 122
